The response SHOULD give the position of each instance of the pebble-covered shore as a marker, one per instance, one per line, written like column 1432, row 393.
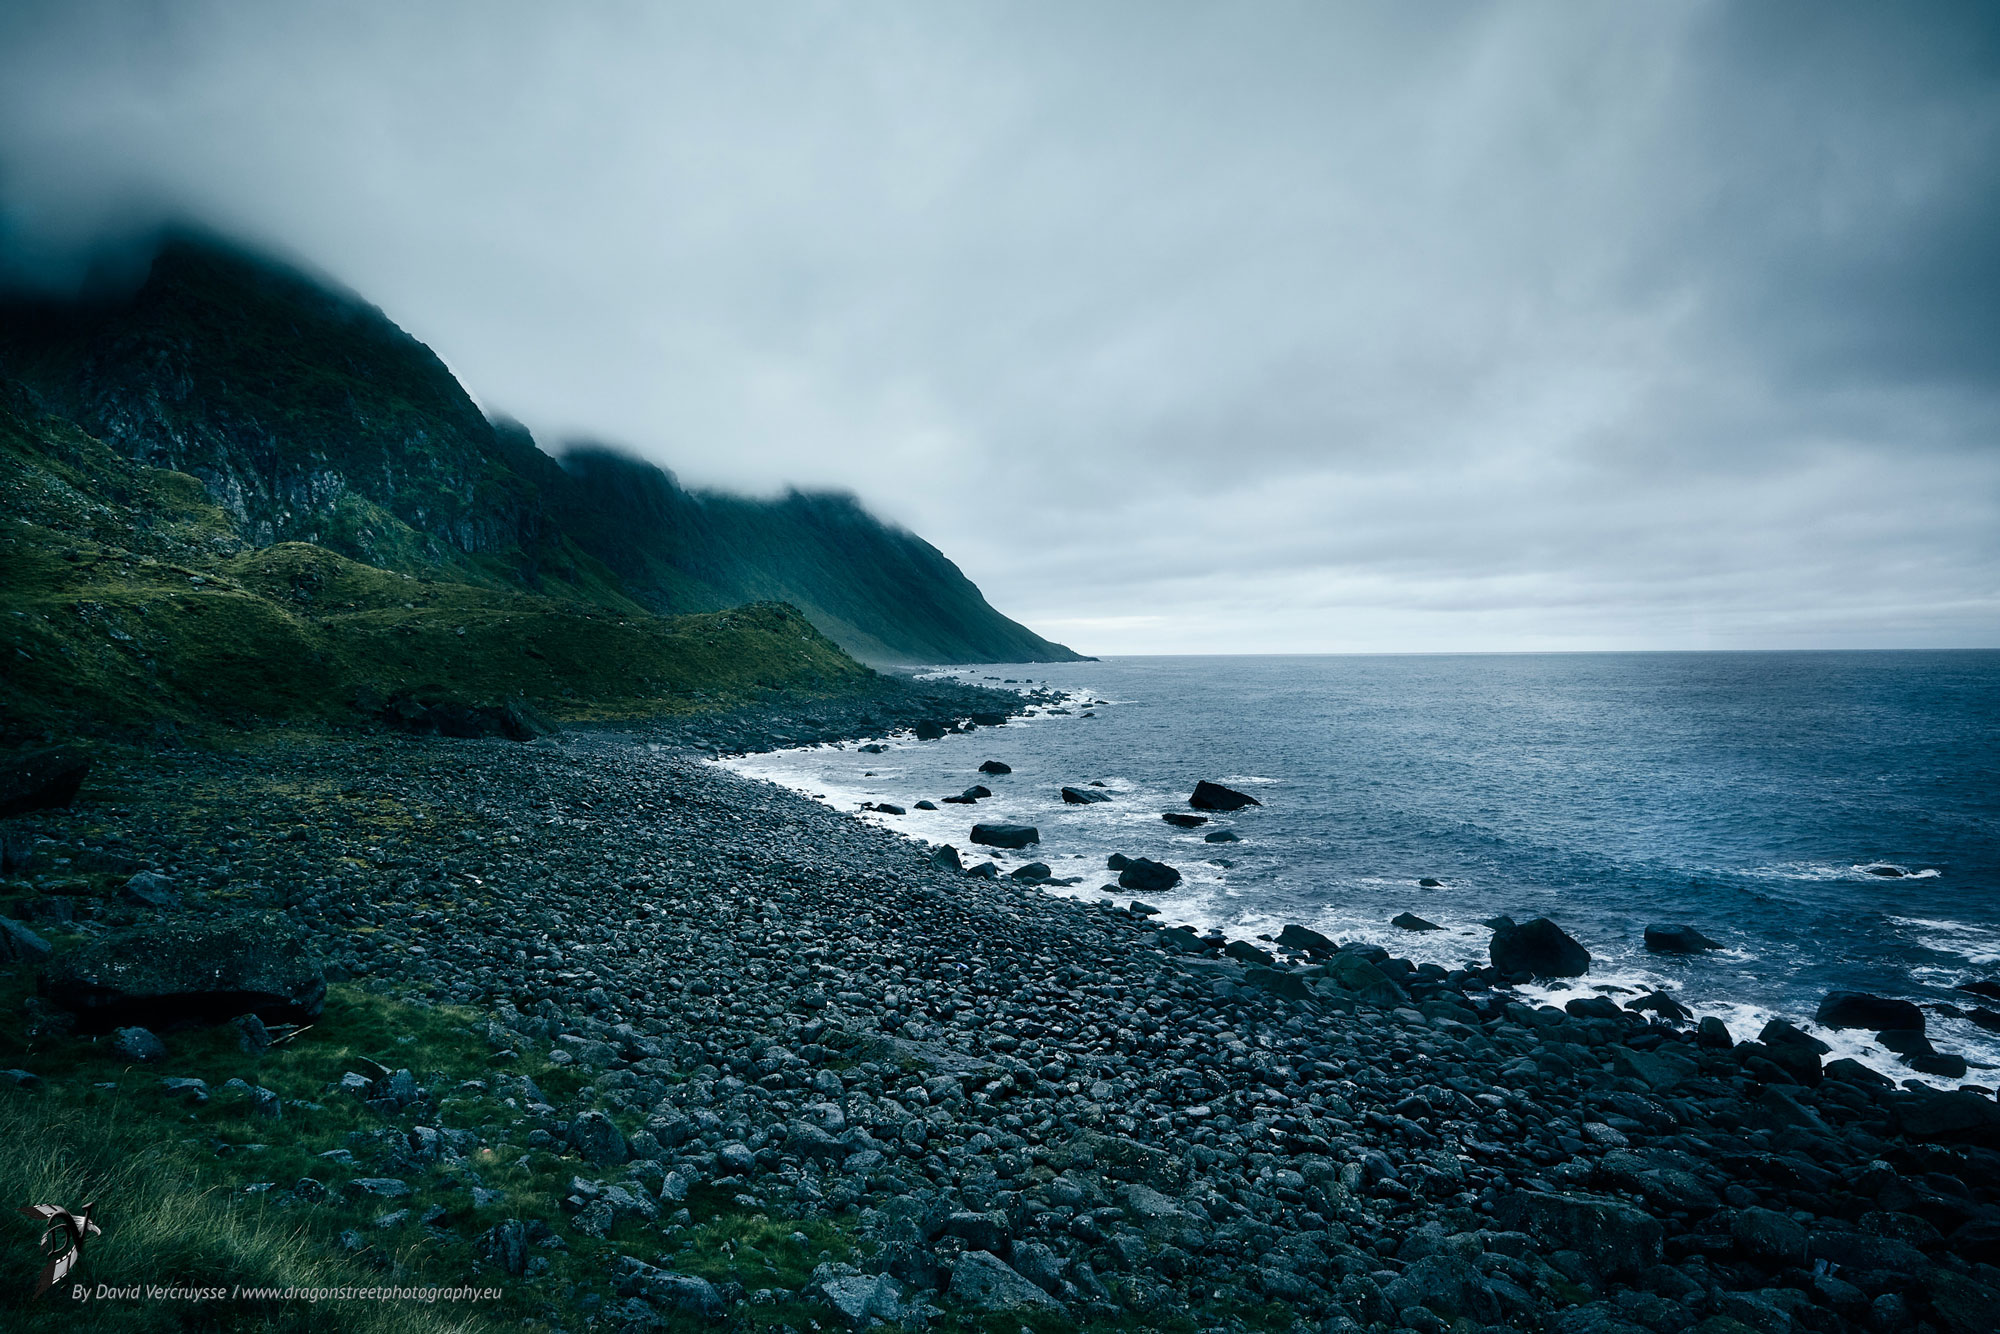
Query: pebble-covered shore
column 1026, row 1103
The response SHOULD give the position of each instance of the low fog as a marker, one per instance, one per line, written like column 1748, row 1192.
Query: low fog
column 1180, row 328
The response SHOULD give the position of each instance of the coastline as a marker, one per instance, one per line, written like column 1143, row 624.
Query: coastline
column 1010, row 1100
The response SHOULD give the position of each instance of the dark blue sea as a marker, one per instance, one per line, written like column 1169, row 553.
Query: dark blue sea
column 1748, row 794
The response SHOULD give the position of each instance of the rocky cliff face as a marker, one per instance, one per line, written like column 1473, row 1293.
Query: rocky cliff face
column 309, row 416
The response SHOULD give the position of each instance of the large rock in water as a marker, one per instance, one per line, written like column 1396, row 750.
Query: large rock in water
column 166, row 973
column 1006, row 835
column 1540, row 948
column 1858, row 1009
column 992, row 766
column 34, row 780
column 1083, row 796
column 1148, row 876
column 1304, row 939
column 1215, row 797
column 1681, row 939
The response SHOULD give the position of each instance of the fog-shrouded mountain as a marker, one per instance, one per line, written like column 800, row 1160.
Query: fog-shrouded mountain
column 309, row 416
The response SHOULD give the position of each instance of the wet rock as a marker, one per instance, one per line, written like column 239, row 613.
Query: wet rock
column 994, row 766
column 1660, row 1003
column 946, row 855
column 1244, row 952
column 977, row 792
column 889, row 808
column 34, row 780
column 196, row 971
column 1409, row 921
column 926, row 805
column 1592, row 1007
column 1083, row 796
column 1539, row 948
column 1209, row 796
column 1304, row 939
column 1006, row 835
column 1858, row 1009
column 1221, row 836
column 1182, row 820
column 929, row 730
column 1682, row 939
column 1713, row 1035
column 1886, row 871
column 1032, row 871
column 1430, row 882
column 984, row 1282
column 1147, row 876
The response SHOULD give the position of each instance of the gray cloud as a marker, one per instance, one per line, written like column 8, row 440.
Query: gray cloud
column 1180, row 328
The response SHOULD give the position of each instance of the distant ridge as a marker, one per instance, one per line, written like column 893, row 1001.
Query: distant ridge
column 309, row 416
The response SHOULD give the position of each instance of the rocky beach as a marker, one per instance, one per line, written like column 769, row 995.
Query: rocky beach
column 748, row 1060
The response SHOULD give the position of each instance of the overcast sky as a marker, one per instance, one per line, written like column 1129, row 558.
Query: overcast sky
column 1203, row 328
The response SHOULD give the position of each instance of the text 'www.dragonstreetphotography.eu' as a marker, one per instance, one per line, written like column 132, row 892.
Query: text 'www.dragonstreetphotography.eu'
column 161, row 1292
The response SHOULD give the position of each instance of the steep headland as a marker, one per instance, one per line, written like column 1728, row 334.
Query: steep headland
column 308, row 416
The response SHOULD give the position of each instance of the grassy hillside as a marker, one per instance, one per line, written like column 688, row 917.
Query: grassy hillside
column 884, row 594
column 306, row 415
column 126, row 598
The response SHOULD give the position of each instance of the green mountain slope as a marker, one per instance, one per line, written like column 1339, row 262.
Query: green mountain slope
column 308, row 416
column 127, row 598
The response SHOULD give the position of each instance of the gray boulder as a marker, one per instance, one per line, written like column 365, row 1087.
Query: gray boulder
column 683, row 1294
column 863, row 1299
column 138, row 1044
column 205, row 971
column 150, row 889
column 1614, row 1239
column 1083, row 796
column 1770, row 1236
column 20, row 945
column 597, row 1139
column 984, row 1282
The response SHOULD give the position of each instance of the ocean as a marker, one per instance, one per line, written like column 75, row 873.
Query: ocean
column 1746, row 794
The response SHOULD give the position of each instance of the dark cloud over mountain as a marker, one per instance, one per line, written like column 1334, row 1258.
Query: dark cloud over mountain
column 1292, row 327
